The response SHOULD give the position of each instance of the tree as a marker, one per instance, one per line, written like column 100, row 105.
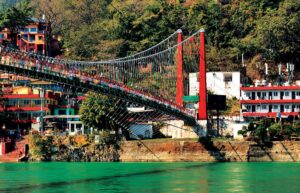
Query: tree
column 15, row 18
column 94, row 111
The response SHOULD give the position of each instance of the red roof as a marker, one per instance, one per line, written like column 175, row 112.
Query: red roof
column 261, row 88
column 270, row 101
column 23, row 96
column 273, row 114
column 25, row 109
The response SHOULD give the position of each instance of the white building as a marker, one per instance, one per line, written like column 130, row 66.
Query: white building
column 77, row 127
column 270, row 101
column 220, row 83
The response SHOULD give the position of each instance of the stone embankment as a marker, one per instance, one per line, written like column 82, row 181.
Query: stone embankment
column 176, row 151
column 79, row 148
column 91, row 153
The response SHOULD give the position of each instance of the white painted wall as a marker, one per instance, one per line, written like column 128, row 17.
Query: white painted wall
column 77, row 126
column 176, row 129
column 287, row 95
column 216, row 82
column 277, row 110
column 277, row 97
column 236, row 128
column 288, row 108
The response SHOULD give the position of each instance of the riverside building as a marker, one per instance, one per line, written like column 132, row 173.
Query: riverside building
column 267, row 100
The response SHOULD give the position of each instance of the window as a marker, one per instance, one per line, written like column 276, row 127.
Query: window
column 275, row 94
column 61, row 112
column 286, row 106
column 227, row 77
column 298, row 93
column 72, row 127
column 12, row 102
column 247, row 94
column 33, row 29
column 78, row 126
column 263, row 94
column 264, row 107
column 32, row 38
column 275, row 106
column 248, row 107
column 40, row 37
column 286, row 93
column 37, row 102
column 25, row 30
column 25, row 37
column 26, row 102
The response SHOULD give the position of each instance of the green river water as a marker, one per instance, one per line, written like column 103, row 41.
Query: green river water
column 150, row 177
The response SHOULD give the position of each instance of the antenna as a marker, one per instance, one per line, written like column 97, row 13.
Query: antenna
column 267, row 69
column 279, row 69
column 243, row 63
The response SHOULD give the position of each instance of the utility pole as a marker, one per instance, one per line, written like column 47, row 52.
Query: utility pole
column 41, row 118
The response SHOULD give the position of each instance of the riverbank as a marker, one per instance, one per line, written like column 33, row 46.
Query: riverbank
column 79, row 149
column 210, row 151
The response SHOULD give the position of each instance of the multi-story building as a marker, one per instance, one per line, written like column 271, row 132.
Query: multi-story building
column 31, row 38
column 270, row 101
column 220, row 83
column 23, row 104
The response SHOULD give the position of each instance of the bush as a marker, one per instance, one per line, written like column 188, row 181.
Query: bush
column 35, row 146
column 80, row 141
column 106, row 137
column 243, row 131
column 40, row 147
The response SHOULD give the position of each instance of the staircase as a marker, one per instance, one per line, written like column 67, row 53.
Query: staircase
column 13, row 156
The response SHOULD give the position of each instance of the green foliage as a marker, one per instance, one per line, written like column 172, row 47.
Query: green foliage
column 104, row 29
column 40, row 147
column 266, row 128
column 15, row 18
column 243, row 131
column 94, row 111
column 106, row 137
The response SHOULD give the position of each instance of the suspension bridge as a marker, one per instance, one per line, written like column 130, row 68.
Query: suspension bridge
column 155, row 79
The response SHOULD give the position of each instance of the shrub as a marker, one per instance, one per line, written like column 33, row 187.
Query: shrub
column 80, row 141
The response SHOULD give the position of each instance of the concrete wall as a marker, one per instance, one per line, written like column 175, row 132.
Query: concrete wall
column 176, row 151
column 176, row 129
column 218, row 82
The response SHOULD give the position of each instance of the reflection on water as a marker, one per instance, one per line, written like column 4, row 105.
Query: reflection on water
column 150, row 177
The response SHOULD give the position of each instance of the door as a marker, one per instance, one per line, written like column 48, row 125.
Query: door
column 253, row 108
column 281, row 108
column 253, row 96
column 293, row 95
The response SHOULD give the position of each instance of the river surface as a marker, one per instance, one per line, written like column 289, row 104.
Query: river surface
column 149, row 177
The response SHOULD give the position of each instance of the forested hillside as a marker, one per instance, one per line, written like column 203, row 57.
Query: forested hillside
column 260, row 30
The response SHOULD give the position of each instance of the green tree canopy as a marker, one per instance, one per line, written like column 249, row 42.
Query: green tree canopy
column 15, row 18
column 95, row 109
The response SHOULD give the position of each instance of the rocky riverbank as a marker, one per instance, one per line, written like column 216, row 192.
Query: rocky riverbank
column 79, row 148
column 186, row 150
column 71, row 149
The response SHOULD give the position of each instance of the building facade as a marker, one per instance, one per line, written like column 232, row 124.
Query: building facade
column 23, row 105
column 31, row 38
column 270, row 101
column 220, row 83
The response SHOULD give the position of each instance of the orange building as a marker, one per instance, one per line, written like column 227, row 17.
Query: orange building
column 32, row 38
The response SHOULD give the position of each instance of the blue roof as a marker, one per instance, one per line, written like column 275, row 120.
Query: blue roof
column 38, row 20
